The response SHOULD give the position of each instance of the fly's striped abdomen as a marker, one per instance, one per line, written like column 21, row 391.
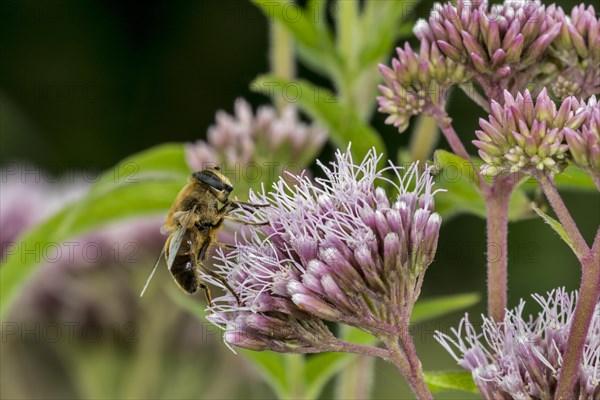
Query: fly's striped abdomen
column 184, row 265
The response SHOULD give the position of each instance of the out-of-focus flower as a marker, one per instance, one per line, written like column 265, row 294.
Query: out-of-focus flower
column 584, row 143
column 335, row 250
column 27, row 197
column 257, row 148
column 525, row 136
column 417, row 83
column 521, row 357
column 577, row 53
column 58, row 291
column 503, row 46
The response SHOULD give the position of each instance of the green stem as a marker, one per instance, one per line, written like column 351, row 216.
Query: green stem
column 355, row 380
column 589, row 294
column 281, row 57
column 347, row 29
column 294, row 364
column 424, row 138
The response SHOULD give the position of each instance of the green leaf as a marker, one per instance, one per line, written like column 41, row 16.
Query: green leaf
column 557, row 226
column 320, row 368
column 315, row 43
column 462, row 380
column 573, row 178
column 344, row 125
column 164, row 162
column 458, row 177
column 272, row 367
column 150, row 191
column 457, row 167
column 382, row 24
column 436, row 307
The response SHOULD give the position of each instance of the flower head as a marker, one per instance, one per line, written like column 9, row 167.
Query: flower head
column 584, row 143
column 336, row 249
column 495, row 43
column 520, row 358
column 266, row 143
column 523, row 135
column 416, row 83
column 577, row 49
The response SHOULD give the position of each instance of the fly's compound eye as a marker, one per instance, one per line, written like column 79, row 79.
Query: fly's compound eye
column 211, row 179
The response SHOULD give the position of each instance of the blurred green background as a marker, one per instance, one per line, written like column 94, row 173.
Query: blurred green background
column 84, row 84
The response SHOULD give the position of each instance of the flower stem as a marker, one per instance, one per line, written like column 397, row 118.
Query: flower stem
column 474, row 95
column 281, row 57
column 356, row 379
column 589, row 293
column 589, row 290
column 445, row 124
column 294, row 364
column 424, row 138
column 408, row 363
column 549, row 188
column 497, row 200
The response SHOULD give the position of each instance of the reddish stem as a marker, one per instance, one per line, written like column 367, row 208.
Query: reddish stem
column 497, row 202
column 565, row 218
column 589, row 293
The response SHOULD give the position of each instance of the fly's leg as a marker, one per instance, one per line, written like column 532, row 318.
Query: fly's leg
column 243, row 204
column 244, row 222
column 222, row 280
column 206, row 293
column 213, row 274
column 224, row 245
column 233, row 204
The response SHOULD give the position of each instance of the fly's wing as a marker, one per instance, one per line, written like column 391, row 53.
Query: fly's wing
column 177, row 238
column 153, row 271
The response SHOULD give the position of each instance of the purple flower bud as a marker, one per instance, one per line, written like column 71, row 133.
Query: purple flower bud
column 578, row 48
column 246, row 341
column 314, row 306
column 236, row 140
column 473, row 33
column 583, row 135
column 415, row 82
column 524, row 135
column 450, row 51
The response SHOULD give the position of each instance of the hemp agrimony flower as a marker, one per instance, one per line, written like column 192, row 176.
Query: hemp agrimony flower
column 577, row 50
column 503, row 46
column 523, row 135
column 336, row 249
column 245, row 140
column 521, row 357
column 417, row 83
column 584, row 143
